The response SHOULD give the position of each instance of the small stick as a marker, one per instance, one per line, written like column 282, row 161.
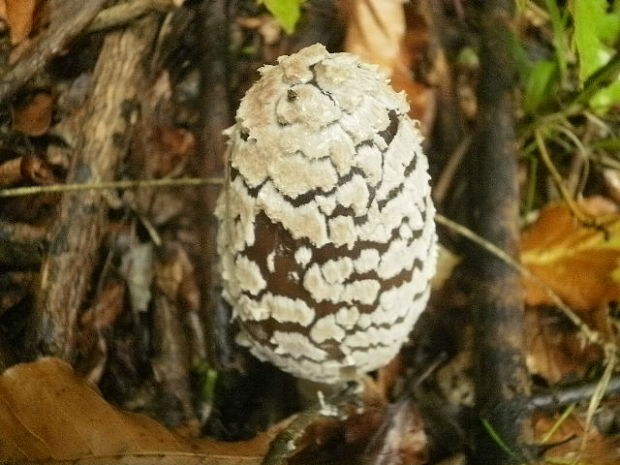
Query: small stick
column 70, row 19
column 567, row 395
column 124, row 13
column 130, row 184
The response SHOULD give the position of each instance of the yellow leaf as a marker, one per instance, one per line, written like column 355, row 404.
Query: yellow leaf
column 578, row 262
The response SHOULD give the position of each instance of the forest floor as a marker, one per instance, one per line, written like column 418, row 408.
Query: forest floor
column 115, row 344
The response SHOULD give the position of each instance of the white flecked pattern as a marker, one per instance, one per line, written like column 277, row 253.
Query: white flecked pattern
column 327, row 239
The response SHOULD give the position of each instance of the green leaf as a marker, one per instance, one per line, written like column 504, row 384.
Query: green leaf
column 558, row 24
column 540, row 84
column 593, row 29
column 287, row 12
column 606, row 98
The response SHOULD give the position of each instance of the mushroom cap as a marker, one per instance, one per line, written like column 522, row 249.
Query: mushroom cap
column 326, row 238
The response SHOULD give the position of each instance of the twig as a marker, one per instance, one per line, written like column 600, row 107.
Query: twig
column 70, row 19
column 599, row 393
column 130, row 184
column 215, row 116
column 566, row 195
column 442, row 186
column 124, row 13
column 501, row 378
column 570, row 394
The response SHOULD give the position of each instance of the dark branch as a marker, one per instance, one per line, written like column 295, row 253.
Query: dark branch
column 501, row 376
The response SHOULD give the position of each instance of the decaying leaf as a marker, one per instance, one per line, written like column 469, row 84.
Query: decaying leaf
column 48, row 414
column 19, row 15
column 555, row 350
column 572, row 448
column 34, row 117
column 401, row 438
column 377, row 31
column 95, row 325
column 580, row 263
column 171, row 363
column 25, row 168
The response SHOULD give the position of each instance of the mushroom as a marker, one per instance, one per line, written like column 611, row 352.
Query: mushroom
column 326, row 224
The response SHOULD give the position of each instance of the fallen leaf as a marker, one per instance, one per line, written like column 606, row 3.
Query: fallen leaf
column 48, row 414
column 391, row 35
column 400, row 439
column 171, row 353
column 11, row 172
column 19, row 17
column 34, row 117
column 555, row 350
column 95, row 328
column 579, row 263
column 26, row 169
column 595, row 449
column 376, row 30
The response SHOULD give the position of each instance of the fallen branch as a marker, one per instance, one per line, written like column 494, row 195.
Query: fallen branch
column 501, row 378
column 75, row 239
column 215, row 116
column 564, row 396
column 124, row 13
column 70, row 18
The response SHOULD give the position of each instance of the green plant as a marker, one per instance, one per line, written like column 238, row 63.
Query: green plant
column 287, row 12
column 571, row 94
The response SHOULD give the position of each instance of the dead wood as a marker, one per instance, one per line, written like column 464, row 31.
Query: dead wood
column 70, row 18
column 215, row 116
column 566, row 395
column 124, row 13
column 501, row 379
column 106, row 120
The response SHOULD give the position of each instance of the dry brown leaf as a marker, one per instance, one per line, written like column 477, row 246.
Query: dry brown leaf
column 11, row 172
column 598, row 449
column 171, row 360
column 19, row 15
column 34, row 117
column 26, row 168
column 555, row 351
column 580, row 263
column 401, row 438
column 48, row 414
column 95, row 323
column 377, row 31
